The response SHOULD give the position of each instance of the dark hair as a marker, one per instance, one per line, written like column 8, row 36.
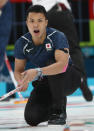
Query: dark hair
column 37, row 9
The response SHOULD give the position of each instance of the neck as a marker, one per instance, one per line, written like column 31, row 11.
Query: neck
column 40, row 40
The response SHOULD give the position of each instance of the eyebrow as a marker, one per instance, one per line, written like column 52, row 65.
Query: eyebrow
column 39, row 18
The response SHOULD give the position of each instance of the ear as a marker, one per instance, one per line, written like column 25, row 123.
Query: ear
column 27, row 23
column 46, row 22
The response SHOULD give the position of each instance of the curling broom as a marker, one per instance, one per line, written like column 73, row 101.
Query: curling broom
column 22, row 100
column 9, row 93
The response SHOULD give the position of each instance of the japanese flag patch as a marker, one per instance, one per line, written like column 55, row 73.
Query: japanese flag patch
column 48, row 47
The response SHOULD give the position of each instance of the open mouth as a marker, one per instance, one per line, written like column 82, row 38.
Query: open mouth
column 36, row 31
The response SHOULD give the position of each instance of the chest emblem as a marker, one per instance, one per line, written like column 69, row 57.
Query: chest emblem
column 48, row 47
column 28, row 49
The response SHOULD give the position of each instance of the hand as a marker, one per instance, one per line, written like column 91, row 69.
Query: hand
column 27, row 76
column 24, row 88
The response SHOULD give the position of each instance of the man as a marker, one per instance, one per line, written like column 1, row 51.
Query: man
column 5, row 28
column 54, row 77
column 60, row 17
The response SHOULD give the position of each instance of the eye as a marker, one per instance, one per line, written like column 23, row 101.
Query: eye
column 40, row 20
column 31, row 21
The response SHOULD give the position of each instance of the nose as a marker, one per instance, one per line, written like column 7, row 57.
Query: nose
column 35, row 24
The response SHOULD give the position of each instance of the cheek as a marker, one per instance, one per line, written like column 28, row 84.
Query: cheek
column 43, row 26
column 29, row 25
column 42, row 30
column 30, row 28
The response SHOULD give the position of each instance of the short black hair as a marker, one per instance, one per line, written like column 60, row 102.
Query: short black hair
column 37, row 9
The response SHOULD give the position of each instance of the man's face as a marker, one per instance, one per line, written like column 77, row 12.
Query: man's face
column 36, row 23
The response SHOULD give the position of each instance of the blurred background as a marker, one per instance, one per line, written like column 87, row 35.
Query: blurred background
column 83, row 11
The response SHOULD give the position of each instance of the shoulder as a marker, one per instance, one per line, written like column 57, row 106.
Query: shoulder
column 58, row 38
column 55, row 34
column 26, row 38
